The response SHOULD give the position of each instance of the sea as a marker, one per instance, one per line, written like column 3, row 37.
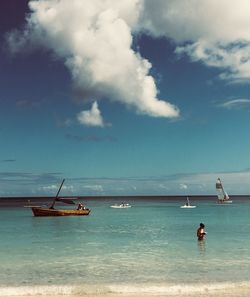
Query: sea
column 150, row 249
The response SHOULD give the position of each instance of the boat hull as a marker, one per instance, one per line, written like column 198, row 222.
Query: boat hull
column 188, row 206
column 47, row 212
column 224, row 201
column 120, row 206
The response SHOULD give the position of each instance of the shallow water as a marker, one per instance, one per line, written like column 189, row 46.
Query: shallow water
column 151, row 244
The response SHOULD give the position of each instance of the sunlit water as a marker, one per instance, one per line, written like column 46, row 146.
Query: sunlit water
column 153, row 242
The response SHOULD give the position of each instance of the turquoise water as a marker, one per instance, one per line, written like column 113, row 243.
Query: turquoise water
column 153, row 242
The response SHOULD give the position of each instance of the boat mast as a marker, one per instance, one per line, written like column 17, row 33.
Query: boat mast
column 53, row 203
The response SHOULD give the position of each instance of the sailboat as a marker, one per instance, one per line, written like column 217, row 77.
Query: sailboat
column 187, row 205
column 221, row 193
column 39, row 211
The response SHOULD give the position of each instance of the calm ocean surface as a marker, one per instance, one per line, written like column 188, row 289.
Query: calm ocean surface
column 151, row 244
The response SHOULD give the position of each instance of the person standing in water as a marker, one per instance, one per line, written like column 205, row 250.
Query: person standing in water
column 201, row 232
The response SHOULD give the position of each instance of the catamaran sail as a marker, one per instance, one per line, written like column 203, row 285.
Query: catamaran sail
column 221, row 193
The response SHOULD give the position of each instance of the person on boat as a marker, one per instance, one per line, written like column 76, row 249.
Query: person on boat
column 80, row 206
column 201, row 232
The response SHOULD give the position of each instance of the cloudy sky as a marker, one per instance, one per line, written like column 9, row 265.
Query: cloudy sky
column 127, row 97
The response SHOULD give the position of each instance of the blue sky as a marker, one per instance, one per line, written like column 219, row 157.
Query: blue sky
column 122, row 99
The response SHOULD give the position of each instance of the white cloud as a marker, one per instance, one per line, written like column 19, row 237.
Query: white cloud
column 91, row 117
column 52, row 189
column 94, row 40
column 192, row 20
column 163, row 187
column 235, row 183
column 233, row 58
column 94, row 188
column 183, row 186
column 216, row 33
column 236, row 103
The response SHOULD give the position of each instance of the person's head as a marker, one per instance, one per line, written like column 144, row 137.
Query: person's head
column 202, row 225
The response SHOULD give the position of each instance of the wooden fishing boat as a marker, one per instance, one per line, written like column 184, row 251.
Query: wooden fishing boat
column 48, row 212
column 39, row 211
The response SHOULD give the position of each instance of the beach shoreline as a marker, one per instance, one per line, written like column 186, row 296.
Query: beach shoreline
column 239, row 289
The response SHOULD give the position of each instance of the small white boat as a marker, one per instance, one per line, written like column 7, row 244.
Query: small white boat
column 222, row 195
column 122, row 205
column 187, row 205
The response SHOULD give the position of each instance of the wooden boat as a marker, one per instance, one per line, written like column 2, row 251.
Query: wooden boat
column 39, row 211
column 48, row 212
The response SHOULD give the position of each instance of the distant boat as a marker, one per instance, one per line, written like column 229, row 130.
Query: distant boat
column 221, row 193
column 40, row 211
column 122, row 205
column 187, row 205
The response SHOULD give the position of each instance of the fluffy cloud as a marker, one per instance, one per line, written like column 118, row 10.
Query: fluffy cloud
column 192, row 20
column 91, row 117
column 216, row 33
column 94, row 40
column 233, row 57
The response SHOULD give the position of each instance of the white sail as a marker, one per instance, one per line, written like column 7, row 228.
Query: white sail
column 221, row 193
column 188, row 205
